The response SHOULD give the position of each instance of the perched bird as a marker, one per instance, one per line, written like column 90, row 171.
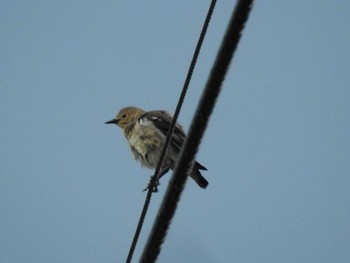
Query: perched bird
column 146, row 134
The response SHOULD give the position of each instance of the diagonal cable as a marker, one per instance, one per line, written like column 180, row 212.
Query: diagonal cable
column 198, row 126
column 154, row 178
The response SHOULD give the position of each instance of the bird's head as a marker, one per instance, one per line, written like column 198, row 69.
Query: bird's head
column 126, row 116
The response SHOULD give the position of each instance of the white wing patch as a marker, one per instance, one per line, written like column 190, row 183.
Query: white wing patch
column 155, row 118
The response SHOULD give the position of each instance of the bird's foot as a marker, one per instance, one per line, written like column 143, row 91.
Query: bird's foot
column 153, row 188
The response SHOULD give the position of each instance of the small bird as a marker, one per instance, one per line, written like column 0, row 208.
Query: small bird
column 146, row 134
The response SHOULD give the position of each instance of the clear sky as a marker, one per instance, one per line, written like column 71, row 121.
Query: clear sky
column 277, row 147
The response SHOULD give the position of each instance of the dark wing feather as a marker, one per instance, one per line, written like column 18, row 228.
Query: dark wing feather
column 162, row 121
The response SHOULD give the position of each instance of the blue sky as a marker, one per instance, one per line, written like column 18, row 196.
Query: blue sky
column 277, row 147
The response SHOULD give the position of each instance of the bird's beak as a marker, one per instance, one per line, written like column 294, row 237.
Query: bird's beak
column 113, row 121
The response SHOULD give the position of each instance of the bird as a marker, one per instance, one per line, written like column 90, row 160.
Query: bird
column 146, row 133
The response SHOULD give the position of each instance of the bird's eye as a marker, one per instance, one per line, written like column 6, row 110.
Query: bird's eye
column 124, row 116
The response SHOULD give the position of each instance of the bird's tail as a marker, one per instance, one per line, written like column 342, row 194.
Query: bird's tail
column 197, row 176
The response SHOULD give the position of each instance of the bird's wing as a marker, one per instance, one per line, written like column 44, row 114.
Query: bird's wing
column 162, row 121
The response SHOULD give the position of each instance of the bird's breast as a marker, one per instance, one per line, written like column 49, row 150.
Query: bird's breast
column 145, row 140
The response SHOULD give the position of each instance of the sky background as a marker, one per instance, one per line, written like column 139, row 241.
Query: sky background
column 277, row 147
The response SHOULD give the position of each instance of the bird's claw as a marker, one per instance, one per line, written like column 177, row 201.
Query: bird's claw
column 153, row 188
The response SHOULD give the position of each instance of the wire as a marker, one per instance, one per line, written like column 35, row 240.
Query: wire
column 154, row 178
column 198, row 126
